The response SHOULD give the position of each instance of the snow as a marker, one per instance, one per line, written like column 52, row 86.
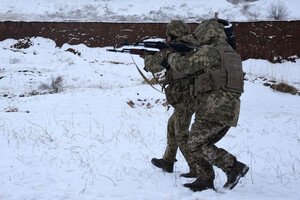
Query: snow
column 86, row 142
column 142, row 11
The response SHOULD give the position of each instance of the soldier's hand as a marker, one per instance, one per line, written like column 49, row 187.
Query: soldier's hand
column 142, row 56
column 166, row 51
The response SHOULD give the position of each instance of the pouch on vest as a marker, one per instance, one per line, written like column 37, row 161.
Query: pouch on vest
column 203, row 83
column 229, row 78
column 178, row 91
column 231, row 70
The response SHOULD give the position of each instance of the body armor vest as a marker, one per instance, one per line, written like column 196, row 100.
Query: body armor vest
column 229, row 78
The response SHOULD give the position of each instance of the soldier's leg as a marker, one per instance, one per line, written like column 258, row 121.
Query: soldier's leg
column 201, row 136
column 171, row 149
column 182, row 120
column 202, row 141
column 167, row 162
column 177, row 136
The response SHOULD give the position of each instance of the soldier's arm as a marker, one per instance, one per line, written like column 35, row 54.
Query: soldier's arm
column 152, row 62
column 191, row 63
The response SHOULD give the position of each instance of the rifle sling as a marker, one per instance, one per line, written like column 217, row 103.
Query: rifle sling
column 144, row 77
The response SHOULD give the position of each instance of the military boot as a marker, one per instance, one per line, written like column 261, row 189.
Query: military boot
column 200, row 185
column 164, row 165
column 188, row 175
column 233, row 176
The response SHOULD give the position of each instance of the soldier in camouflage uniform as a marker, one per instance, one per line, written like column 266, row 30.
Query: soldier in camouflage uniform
column 179, row 96
column 218, row 83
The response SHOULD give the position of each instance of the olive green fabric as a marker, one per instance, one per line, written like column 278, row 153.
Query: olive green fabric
column 177, row 134
column 179, row 96
column 203, row 151
column 218, row 106
column 207, row 32
column 215, row 110
column 177, row 28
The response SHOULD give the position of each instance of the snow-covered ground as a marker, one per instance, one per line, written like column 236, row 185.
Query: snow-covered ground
column 143, row 11
column 83, row 125
column 87, row 142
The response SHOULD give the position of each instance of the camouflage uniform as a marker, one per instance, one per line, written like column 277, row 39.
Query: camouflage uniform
column 216, row 110
column 178, row 95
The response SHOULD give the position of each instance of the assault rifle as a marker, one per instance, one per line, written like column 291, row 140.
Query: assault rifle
column 179, row 47
column 133, row 51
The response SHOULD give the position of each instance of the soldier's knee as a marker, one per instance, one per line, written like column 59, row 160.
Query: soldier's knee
column 196, row 147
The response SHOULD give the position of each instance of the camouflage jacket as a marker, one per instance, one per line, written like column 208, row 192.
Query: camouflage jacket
column 215, row 106
column 177, row 91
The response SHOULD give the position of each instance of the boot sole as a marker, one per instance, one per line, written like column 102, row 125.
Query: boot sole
column 241, row 174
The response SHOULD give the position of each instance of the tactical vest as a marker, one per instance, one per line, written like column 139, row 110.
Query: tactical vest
column 172, row 74
column 229, row 78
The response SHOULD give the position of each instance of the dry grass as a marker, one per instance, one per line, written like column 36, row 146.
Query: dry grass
column 283, row 87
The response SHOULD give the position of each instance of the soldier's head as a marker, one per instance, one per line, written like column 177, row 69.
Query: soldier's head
column 176, row 29
column 210, row 32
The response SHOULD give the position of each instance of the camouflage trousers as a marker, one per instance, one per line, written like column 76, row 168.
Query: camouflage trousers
column 178, row 134
column 204, row 152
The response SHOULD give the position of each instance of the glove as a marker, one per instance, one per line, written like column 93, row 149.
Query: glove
column 164, row 63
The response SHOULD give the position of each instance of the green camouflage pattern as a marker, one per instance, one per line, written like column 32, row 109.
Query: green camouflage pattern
column 215, row 111
column 178, row 91
column 152, row 62
column 216, row 106
column 203, row 151
column 210, row 32
column 205, row 59
column 207, row 32
column 178, row 94
column 177, row 28
column 178, row 133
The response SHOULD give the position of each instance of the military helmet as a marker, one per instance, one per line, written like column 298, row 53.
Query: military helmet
column 177, row 28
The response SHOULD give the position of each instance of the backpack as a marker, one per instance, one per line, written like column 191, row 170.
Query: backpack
column 228, row 29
